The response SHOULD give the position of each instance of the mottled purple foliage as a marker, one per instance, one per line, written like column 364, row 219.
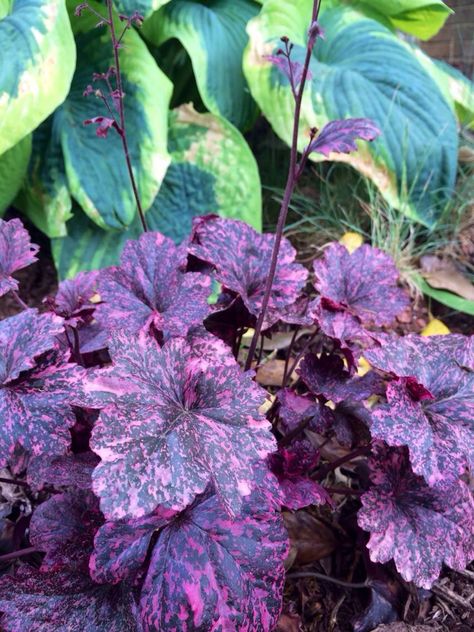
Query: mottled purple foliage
column 16, row 252
column 73, row 299
column 431, row 409
column 177, row 426
column 340, row 136
column 241, row 259
column 150, row 289
column 67, row 470
column 208, row 572
column 417, row 526
column 363, row 283
column 296, row 409
column 326, row 376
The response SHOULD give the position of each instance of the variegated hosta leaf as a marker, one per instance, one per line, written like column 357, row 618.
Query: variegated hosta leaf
column 419, row 527
column 363, row 283
column 213, row 33
column 45, row 197
column 360, row 70
column 150, row 292
column 431, row 409
column 37, row 58
column 212, row 170
column 241, row 259
column 16, row 252
column 170, row 424
column 95, row 167
column 32, row 601
column 64, row 527
column 13, row 167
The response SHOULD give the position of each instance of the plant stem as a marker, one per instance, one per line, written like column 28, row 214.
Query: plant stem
column 326, row 578
column 330, row 467
column 289, row 189
column 20, row 553
column 344, row 491
column 12, row 481
column 123, row 133
column 17, row 298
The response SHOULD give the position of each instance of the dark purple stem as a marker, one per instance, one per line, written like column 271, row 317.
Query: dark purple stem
column 293, row 174
column 123, row 132
column 330, row 467
column 20, row 553
column 17, row 298
column 326, row 578
column 12, row 481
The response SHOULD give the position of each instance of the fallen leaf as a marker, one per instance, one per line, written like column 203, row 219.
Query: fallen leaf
column 271, row 373
column 278, row 341
column 351, row 241
column 442, row 274
column 435, row 327
column 310, row 538
column 289, row 623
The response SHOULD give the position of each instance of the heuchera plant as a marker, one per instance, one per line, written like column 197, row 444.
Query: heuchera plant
column 157, row 468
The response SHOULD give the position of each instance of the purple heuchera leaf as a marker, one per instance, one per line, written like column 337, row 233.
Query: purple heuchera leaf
column 292, row 468
column 16, row 252
column 340, row 136
column 67, row 470
column 170, row 426
column 241, row 258
column 326, row 376
column 417, row 526
column 363, row 283
column 151, row 289
column 64, row 527
column 24, row 337
column 208, row 572
column 295, row 409
column 33, row 601
column 431, row 408
column 73, row 299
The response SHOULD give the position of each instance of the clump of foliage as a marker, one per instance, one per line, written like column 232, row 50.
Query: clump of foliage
column 157, row 467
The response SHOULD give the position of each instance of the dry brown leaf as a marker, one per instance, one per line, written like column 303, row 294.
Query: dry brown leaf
column 271, row 373
column 442, row 274
column 310, row 538
column 279, row 340
column 289, row 623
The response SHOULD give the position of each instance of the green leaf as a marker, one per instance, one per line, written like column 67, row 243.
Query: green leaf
column 143, row 7
column 45, row 197
column 213, row 33
column 456, row 87
column 212, row 171
column 37, row 59
column 13, row 166
column 446, row 298
column 96, row 170
column 361, row 69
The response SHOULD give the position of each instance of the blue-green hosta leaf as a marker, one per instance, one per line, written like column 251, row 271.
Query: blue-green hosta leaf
column 143, row 7
column 37, row 58
column 13, row 166
column 95, row 167
column 361, row 70
column 213, row 33
column 212, row 171
column 45, row 197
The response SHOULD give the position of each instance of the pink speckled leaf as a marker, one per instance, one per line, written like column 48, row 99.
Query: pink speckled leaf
column 67, row 470
column 417, row 526
column 16, row 252
column 24, row 337
column 64, row 527
column 292, row 468
column 364, row 283
column 151, row 289
column 36, row 409
column 33, row 601
column 431, row 409
column 241, row 259
column 295, row 409
column 208, row 348
column 169, row 427
column 73, row 299
column 208, row 572
column 340, row 136
column 120, row 547
column 327, row 376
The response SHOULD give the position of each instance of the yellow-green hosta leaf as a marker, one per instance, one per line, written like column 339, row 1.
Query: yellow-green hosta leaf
column 13, row 166
column 212, row 171
column 213, row 33
column 37, row 59
column 95, row 167
column 361, row 70
column 44, row 197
